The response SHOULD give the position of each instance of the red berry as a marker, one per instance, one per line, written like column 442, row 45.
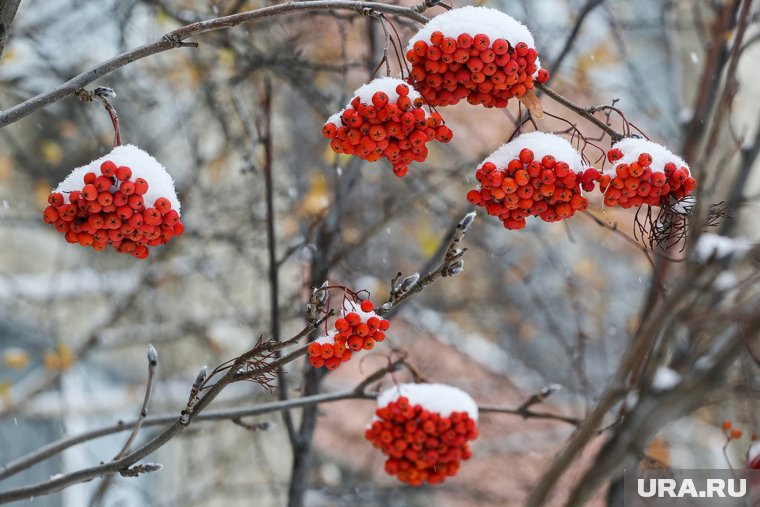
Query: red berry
column 123, row 173
column 141, row 186
column 152, row 216
column 108, row 168
column 329, row 130
column 127, row 188
column 163, row 205
column 55, row 199
column 380, row 99
column 89, row 192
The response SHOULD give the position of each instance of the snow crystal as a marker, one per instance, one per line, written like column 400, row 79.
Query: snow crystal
column 541, row 144
column 351, row 307
column 724, row 281
column 665, row 379
column 438, row 398
column 685, row 115
column 685, row 205
column 474, row 21
column 632, row 147
column 719, row 247
column 383, row 84
column 328, row 338
column 143, row 165
column 367, row 90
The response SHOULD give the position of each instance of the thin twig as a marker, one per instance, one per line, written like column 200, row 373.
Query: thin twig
column 97, row 497
column 152, row 365
column 175, row 39
column 586, row 113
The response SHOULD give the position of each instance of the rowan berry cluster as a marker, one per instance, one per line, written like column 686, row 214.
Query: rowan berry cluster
column 450, row 64
column 732, row 432
column 421, row 445
column 639, row 181
column 531, row 185
column 357, row 329
column 109, row 209
column 385, row 119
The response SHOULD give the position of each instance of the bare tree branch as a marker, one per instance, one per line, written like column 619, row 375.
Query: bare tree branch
column 175, row 38
column 8, row 10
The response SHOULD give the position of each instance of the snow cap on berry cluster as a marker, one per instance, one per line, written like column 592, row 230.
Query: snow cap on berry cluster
column 541, row 144
column 437, row 398
column 143, row 165
column 476, row 20
column 328, row 338
column 357, row 309
column 632, row 147
column 366, row 91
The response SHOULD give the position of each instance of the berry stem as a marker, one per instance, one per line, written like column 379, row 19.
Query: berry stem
column 586, row 113
column 114, row 120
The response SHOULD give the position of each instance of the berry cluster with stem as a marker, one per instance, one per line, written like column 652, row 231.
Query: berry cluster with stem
column 359, row 328
column 638, row 183
column 421, row 446
column 110, row 210
column 546, row 188
column 392, row 127
column 452, row 67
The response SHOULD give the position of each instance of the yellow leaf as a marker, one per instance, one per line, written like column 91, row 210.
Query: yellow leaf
column 657, row 455
column 66, row 356
column 6, row 167
column 68, row 129
column 329, row 156
column 226, row 57
column 5, row 391
column 428, row 241
column 317, row 198
column 162, row 17
column 533, row 103
column 51, row 361
column 16, row 358
column 41, row 192
column 58, row 360
column 51, row 152
column 9, row 55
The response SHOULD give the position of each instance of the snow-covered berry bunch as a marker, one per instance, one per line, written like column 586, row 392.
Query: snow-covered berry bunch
column 644, row 172
column 125, row 199
column 385, row 119
column 536, row 174
column 476, row 53
column 424, row 430
column 358, row 328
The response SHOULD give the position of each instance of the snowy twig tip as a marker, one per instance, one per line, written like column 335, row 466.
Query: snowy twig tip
column 466, row 222
column 408, row 282
column 547, row 391
column 152, row 355
column 456, row 268
column 104, row 92
column 201, row 377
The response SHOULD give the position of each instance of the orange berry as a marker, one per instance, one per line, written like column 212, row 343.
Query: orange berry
column 353, row 318
column 108, row 168
column 315, row 349
column 123, row 173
